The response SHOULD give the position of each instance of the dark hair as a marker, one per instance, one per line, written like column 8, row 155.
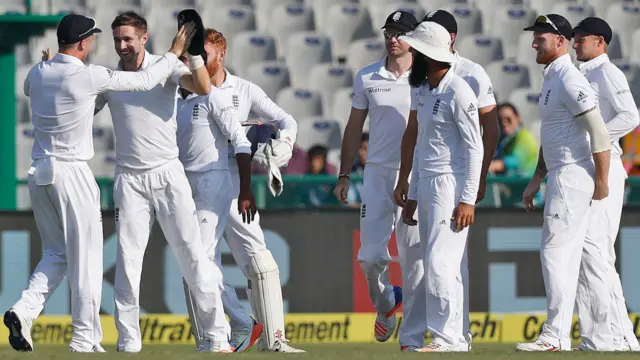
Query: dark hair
column 130, row 18
column 317, row 150
column 365, row 137
column 508, row 105
column 419, row 69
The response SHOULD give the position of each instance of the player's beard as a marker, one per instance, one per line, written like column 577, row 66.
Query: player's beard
column 213, row 67
column 419, row 70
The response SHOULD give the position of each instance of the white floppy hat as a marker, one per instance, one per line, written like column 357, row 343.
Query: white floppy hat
column 432, row 40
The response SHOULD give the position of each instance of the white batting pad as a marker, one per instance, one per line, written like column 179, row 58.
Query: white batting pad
column 266, row 297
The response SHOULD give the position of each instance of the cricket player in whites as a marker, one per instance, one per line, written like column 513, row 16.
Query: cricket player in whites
column 381, row 90
column 444, row 122
column 246, row 239
column 64, row 194
column 150, row 182
column 575, row 154
column 479, row 81
column 604, row 323
column 206, row 126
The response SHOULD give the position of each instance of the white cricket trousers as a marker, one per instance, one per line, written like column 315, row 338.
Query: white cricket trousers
column 164, row 192
column 68, row 218
column 567, row 212
column 244, row 240
column 379, row 217
column 604, row 322
column 438, row 197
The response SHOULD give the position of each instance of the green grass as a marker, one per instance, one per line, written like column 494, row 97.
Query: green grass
column 346, row 351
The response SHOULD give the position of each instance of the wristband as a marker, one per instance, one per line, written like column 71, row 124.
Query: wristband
column 344, row 176
column 195, row 62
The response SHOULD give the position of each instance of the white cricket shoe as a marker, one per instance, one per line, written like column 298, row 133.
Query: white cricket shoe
column 96, row 348
column 435, row 347
column 214, row 346
column 284, row 347
column 385, row 324
column 19, row 331
column 538, row 345
column 243, row 340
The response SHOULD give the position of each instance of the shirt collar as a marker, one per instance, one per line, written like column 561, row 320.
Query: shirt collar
column 556, row 65
column 444, row 83
column 382, row 71
column 145, row 61
column 68, row 59
column 230, row 81
column 593, row 63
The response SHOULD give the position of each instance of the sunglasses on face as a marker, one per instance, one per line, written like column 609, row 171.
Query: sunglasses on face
column 389, row 34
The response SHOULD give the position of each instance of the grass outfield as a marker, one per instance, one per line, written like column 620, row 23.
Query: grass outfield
column 346, row 351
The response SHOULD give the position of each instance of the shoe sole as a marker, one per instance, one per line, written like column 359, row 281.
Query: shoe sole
column 252, row 339
column 16, row 339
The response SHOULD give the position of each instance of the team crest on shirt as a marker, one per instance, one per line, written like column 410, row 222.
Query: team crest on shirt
column 582, row 97
column 195, row 112
column 436, row 107
column 546, row 97
column 236, row 101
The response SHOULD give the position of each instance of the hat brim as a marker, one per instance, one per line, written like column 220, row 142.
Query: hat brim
column 437, row 54
column 398, row 26
column 541, row 29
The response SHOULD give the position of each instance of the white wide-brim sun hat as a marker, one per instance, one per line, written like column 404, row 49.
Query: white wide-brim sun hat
column 432, row 40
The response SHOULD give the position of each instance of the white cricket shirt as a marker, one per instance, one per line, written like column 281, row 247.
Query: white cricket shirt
column 247, row 98
column 613, row 96
column 145, row 122
column 388, row 100
column 63, row 95
column 565, row 94
column 449, row 139
column 206, row 125
column 477, row 78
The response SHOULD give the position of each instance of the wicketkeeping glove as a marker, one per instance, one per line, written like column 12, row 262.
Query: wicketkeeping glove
column 277, row 151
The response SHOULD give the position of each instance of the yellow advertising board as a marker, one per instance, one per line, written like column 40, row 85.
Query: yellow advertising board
column 302, row 328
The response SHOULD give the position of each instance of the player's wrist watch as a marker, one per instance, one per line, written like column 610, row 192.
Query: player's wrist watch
column 344, row 176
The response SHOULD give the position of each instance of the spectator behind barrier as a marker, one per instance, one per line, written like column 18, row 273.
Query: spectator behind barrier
column 317, row 164
column 517, row 151
column 353, row 196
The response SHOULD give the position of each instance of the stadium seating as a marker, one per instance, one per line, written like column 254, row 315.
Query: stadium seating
column 300, row 103
column 271, row 76
column 321, row 12
column 624, row 18
column 13, row 7
column 480, row 48
column 67, row 6
column 247, row 48
column 507, row 76
column 264, row 9
column 289, row 19
column 572, row 11
column 634, row 55
column 318, row 131
column 349, row 23
column 544, row 6
column 526, row 102
column 364, row 52
column 469, row 19
column 230, row 20
column 342, row 105
column 507, row 24
column 326, row 79
column 304, row 51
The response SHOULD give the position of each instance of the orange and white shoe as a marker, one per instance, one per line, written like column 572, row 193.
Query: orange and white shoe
column 386, row 324
column 409, row 348
column 538, row 345
column 243, row 340
column 435, row 347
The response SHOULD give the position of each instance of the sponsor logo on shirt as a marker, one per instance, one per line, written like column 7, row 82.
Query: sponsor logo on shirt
column 582, row 97
column 436, row 106
column 471, row 108
column 490, row 90
column 378, row 90
column 623, row 91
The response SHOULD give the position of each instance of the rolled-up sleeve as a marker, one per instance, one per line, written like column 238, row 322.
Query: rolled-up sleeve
column 104, row 79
